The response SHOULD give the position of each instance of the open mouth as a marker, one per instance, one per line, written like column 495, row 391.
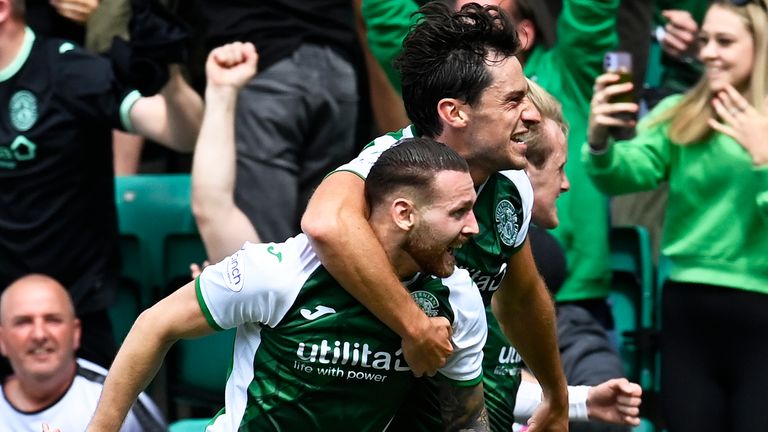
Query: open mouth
column 40, row 351
column 456, row 245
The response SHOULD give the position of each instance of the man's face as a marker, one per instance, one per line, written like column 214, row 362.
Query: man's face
column 499, row 121
column 550, row 180
column 39, row 332
column 443, row 224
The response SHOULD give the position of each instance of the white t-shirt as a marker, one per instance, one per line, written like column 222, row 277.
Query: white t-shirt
column 74, row 410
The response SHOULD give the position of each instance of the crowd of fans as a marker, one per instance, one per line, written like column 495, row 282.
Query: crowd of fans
column 304, row 124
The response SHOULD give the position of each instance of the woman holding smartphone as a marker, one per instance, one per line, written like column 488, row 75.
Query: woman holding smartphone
column 711, row 145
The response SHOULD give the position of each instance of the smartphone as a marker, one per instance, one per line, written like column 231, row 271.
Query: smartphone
column 620, row 63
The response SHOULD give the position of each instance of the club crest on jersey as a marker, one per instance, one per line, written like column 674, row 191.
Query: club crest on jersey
column 234, row 277
column 23, row 110
column 506, row 222
column 426, row 301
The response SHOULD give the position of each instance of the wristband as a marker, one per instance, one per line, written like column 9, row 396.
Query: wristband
column 577, row 402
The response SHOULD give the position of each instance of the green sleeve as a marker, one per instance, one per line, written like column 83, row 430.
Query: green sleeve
column 634, row 165
column 762, row 193
column 586, row 30
column 387, row 23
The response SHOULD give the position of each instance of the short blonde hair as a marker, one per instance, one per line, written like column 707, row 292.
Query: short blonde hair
column 539, row 149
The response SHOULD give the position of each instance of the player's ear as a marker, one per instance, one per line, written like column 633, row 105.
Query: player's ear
column 76, row 333
column 403, row 213
column 5, row 10
column 453, row 112
column 526, row 31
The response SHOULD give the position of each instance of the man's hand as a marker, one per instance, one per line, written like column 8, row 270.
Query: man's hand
column 75, row 10
column 231, row 65
column 548, row 418
column 428, row 349
column 195, row 269
column 679, row 33
column 615, row 401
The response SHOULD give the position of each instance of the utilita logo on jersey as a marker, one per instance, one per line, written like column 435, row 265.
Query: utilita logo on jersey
column 486, row 282
column 328, row 357
column 509, row 362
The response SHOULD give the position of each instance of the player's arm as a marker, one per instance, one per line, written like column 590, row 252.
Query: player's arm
column 222, row 225
column 171, row 118
column 462, row 408
column 614, row 401
column 335, row 222
column 526, row 315
column 141, row 354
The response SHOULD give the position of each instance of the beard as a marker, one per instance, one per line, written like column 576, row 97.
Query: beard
column 430, row 255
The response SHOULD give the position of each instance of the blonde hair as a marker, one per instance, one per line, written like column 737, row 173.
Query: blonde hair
column 686, row 119
column 550, row 108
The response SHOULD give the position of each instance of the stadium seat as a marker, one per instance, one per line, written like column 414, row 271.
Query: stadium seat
column 198, row 370
column 632, row 300
column 125, row 310
column 189, row 425
column 180, row 249
column 150, row 209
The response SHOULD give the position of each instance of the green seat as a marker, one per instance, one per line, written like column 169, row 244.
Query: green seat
column 198, row 371
column 150, row 208
column 180, row 249
column 644, row 426
column 632, row 300
column 663, row 269
column 189, row 425
column 130, row 289
column 125, row 310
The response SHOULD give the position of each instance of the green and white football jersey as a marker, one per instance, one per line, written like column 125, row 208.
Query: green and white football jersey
column 308, row 356
column 503, row 211
column 502, row 367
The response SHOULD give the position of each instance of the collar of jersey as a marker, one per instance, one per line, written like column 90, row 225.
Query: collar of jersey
column 21, row 57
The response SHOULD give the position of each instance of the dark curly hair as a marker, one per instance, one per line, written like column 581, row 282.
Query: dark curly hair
column 446, row 54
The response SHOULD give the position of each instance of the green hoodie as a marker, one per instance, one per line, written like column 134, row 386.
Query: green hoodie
column 716, row 224
column 586, row 30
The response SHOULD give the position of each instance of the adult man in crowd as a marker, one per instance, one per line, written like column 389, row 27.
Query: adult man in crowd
column 296, row 119
column 611, row 399
column 57, row 210
column 39, row 333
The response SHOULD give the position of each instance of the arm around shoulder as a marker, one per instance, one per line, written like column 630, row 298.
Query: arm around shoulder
column 336, row 224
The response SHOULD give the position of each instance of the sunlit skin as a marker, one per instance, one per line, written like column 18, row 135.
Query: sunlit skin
column 444, row 225
column 550, row 180
column 498, row 122
column 726, row 49
column 39, row 332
